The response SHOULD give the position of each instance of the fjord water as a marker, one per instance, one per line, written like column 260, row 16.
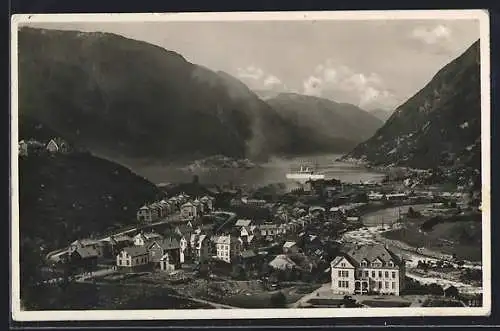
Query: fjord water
column 273, row 171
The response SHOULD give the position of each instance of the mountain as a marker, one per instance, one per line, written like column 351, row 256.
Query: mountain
column 340, row 126
column 439, row 126
column 267, row 94
column 382, row 114
column 123, row 98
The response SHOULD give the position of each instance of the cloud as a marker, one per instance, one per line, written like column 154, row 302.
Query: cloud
column 257, row 79
column 251, row 72
column 343, row 84
column 431, row 35
column 272, row 81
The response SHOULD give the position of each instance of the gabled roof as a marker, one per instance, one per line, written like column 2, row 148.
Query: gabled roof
column 373, row 252
column 289, row 244
column 167, row 243
column 187, row 204
column 87, row 252
column 242, row 223
column 135, row 251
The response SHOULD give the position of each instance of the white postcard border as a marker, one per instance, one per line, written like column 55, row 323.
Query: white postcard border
column 179, row 314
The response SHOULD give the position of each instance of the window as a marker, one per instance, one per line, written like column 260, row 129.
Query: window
column 391, row 264
column 346, row 273
column 386, row 284
column 393, row 285
column 340, row 283
column 346, row 284
column 380, row 285
column 363, row 263
column 373, row 274
column 128, row 262
column 387, row 274
column 380, row 274
column 366, row 273
column 394, row 274
column 342, row 264
column 340, row 273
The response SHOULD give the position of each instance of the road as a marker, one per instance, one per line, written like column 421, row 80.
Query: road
column 171, row 218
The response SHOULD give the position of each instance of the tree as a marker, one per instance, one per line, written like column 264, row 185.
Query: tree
column 278, row 300
column 435, row 289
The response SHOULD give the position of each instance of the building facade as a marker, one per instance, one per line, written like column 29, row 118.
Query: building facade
column 228, row 248
column 133, row 258
column 368, row 269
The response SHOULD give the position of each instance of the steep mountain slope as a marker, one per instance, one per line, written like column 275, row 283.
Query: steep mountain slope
column 438, row 126
column 335, row 123
column 126, row 98
column 63, row 197
column 381, row 114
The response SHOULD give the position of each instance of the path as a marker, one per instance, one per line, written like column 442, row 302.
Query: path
column 324, row 289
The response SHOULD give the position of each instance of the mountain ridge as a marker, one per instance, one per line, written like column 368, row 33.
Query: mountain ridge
column 438, row 126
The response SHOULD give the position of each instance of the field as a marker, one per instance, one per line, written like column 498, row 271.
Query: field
column 79, row 296
column 265, row 299
column 461, row 237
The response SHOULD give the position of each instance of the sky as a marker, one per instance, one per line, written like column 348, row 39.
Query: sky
column 372, row 64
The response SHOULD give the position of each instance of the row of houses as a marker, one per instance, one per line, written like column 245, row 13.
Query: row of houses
column 189, row 209
column 54, row 145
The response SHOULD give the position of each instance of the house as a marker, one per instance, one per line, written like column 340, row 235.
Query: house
column 144, row 239
column 23, row 148
column 249, row 258
column 114, row 244
column 290, row 247
column 368, row 269
column 268, row 231
column 133, row 258
column 148, row 214
column 228, row 247
column 200, row 247
column 89, row 244
column 52, row 146
column 189, row 211
column 165, row 253
column 208, row 202
column 84, row 256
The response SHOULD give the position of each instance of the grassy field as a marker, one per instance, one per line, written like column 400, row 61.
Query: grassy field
column 112, row 296
column 264, row 299
column 462, row 238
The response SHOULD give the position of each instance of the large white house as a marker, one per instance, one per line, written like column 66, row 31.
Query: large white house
column 228, row 247
column 368, row 269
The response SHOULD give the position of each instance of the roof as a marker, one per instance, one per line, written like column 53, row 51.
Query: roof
column 268, row 226
column 167, row 243
column 289, row 244
column 85, row 242
column 224, row 240
column 243, row 223
column 135, row 251
column 187, row 204
column 87, row 252
column 152, row 235
column 371, row 253
column 248, row 254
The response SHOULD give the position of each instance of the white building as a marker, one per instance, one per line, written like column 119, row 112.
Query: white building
column 228, row 247
column 368, row 269
column 144, row 239
column 133, row 258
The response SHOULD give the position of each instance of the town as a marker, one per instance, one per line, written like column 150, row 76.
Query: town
column 323, row 244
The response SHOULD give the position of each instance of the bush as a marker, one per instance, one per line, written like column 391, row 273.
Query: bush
column 278, row 300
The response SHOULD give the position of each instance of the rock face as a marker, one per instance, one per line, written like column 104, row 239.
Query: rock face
column 334, row 126
column 438, row 126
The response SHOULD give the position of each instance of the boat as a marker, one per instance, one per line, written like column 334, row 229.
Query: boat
column 303, row 175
